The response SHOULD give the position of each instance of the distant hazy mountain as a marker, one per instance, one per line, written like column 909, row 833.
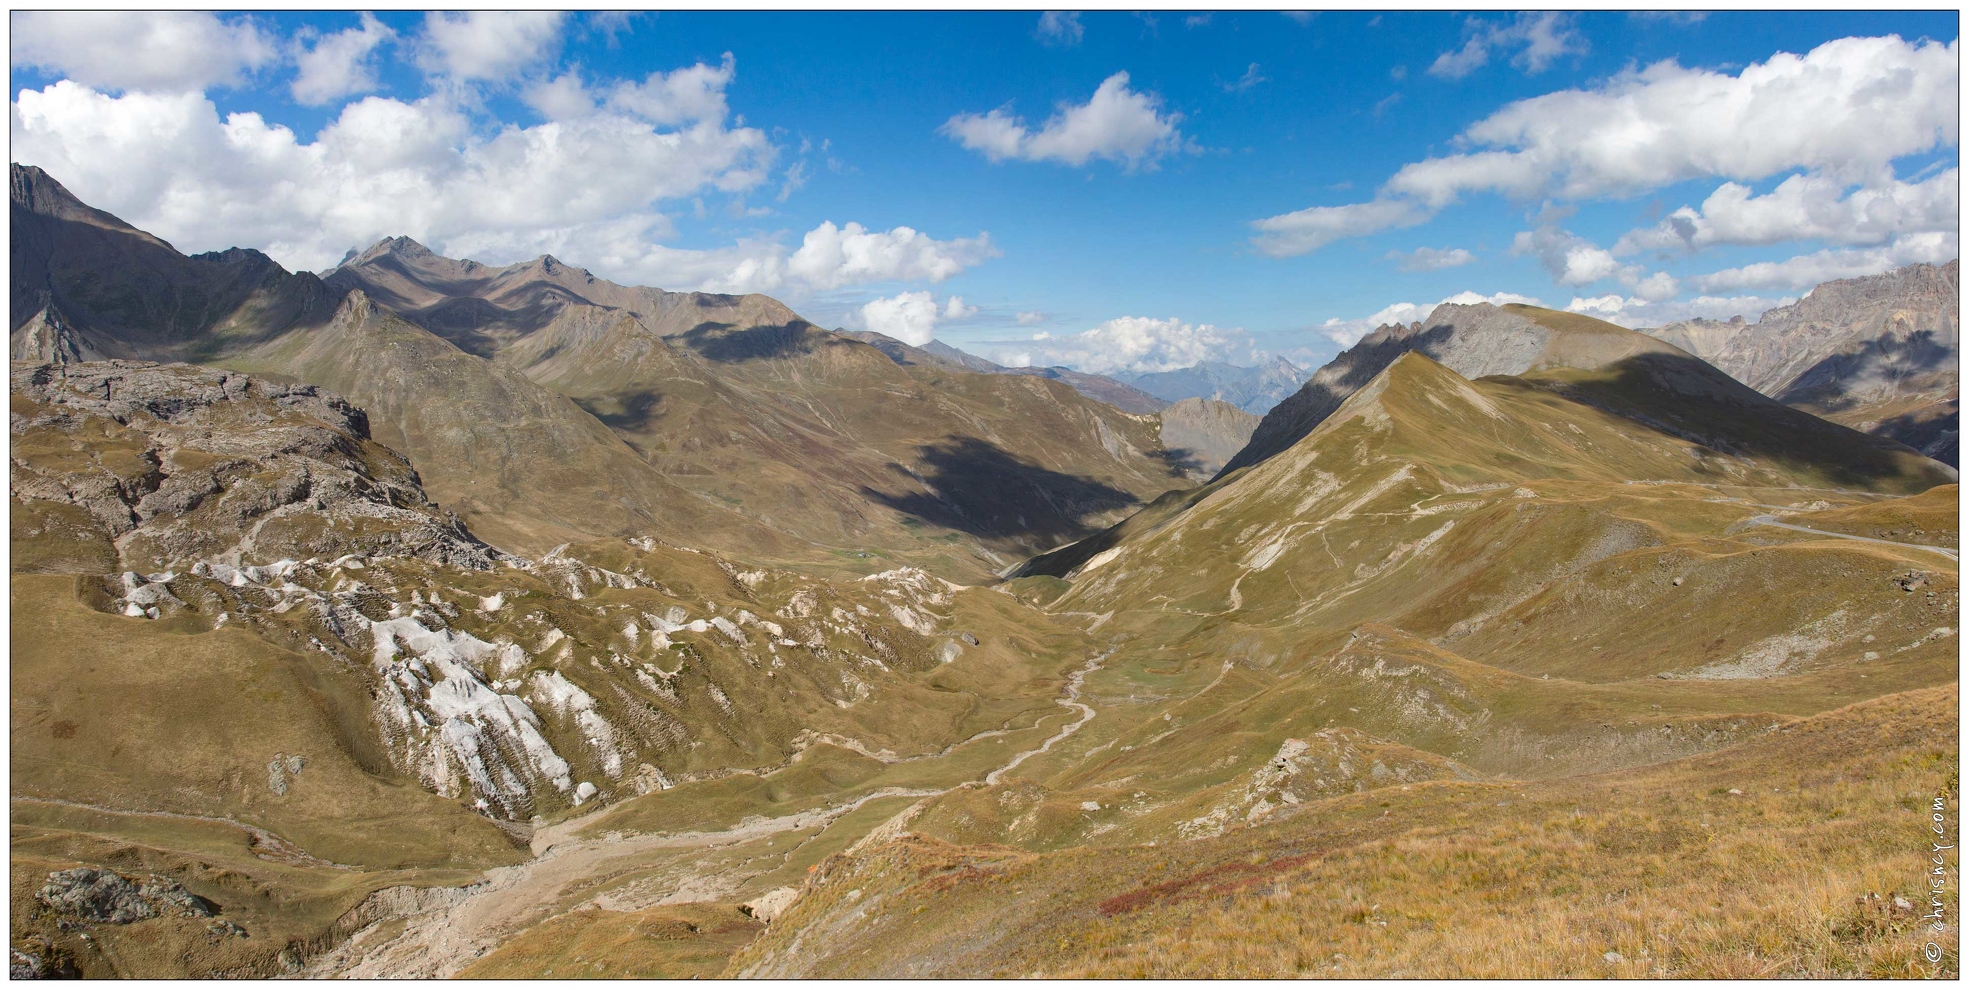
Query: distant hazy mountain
column 1100, row 388
column 1206, row 433
column 1877, row 353
column 1254, row 390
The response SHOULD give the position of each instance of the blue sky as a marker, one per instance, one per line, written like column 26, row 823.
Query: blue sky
column 1256, row 182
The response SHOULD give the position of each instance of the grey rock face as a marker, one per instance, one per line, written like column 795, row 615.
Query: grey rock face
column 281, row 770
column 1206, row 432
column 1879, row 353
column 25, row 966
column 175, row 462
column 110, row 898
column 1867, row 338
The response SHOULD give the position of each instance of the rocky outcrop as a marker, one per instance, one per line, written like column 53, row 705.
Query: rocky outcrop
column 158, row 465
column 1878, row 353
column 104, row 897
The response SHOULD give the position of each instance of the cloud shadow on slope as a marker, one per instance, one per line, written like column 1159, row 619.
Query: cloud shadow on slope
column 1690, row 400
column 633, row 412
column 1181, row 462
column 720, row 342
column 978, row 488
column 1914, row 355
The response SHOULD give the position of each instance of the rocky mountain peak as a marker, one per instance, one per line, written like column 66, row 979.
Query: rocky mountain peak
column 31, row 187
column 1472, row 340
column 399, row 246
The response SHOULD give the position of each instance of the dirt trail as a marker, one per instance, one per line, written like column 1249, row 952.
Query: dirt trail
column 509, row 899
column 265, row 844
column 1071, row 701
column 1773, row 521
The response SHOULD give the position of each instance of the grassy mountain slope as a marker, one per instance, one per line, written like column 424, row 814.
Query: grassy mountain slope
column 1781, row 856
column 839, row 446
column 522, row 464
column 1471, row 583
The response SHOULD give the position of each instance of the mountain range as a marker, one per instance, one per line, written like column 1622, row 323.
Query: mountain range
column 544, row 405
column 425, row 618
column 1880, row 353
column 1253, row 389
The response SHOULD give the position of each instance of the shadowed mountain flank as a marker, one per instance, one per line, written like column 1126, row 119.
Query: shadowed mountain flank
column 979, row 488
column 1878, row 353
column 1686, row 398
column 85, row 284
column 1655, row 416
column 726, row 344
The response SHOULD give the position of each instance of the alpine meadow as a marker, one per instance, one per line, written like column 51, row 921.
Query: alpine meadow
column 984, row 494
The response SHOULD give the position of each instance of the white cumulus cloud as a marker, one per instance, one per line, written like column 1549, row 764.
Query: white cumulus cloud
column 1116, row 123
column 1634, row 312
column 1847, row 107
column 1130, row 343
column 912, row 317
column 331, row 66
column 1807, row 206
column 695, row 92
column 1568, row 258
column 831, row 256
column 1541, row 38
column 1310, row 229
column 1060, row 27
column 561, row 97
column 169, row 163
column 1846, row 110
column 1029, row 318
column 1807, row 270
column 488, row 45
column 160, row 51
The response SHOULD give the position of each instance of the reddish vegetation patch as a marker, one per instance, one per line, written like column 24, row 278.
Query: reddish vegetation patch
column 1226, row 878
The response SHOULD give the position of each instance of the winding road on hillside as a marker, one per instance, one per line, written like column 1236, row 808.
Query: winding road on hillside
column 1768, row 520
column 439, row 943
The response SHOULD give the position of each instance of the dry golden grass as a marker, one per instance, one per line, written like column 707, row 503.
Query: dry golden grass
column 1662, row 866
column 674, row 942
